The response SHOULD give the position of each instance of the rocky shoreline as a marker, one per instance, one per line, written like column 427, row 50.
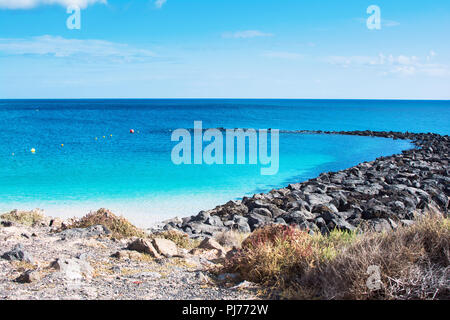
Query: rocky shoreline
column 378, row 195
column 102, row 256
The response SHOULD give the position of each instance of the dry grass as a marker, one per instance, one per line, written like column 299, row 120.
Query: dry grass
column 413, row 262
column 27, row 218
column 231, row 238
column 181, row 239
column 269, row 252
column 119, row 226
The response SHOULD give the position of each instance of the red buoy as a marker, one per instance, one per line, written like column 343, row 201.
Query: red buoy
column 132, row 131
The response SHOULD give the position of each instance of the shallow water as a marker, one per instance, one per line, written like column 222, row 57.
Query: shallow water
column 133, row 175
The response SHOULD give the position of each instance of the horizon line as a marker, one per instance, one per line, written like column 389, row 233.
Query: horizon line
column 341, row 99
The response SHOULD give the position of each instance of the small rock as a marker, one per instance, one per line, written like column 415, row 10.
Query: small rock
column 84, row 255
column 56, row 223
column 116, row 269
column 29, row 277
column 230, row 254
column 6, row 224
column 18, row 254
column 211, row 244
column 380, row 225
column 127, row 255
column 227, row 277
column 244, row 285
column 148, row 275
column 73, row 269
column 202, row 278
column 407, row 223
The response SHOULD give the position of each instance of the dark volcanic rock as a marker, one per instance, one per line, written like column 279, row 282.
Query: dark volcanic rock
column 381, row 194
column 18, row 253
column 257, row 221
column 262, row 212
column 214, row 221
column 89, row 232
column 240, row 223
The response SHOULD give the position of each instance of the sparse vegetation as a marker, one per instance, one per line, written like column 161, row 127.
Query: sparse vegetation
column 27, row 218
column 413, row 262
column 231, row 238
column 119, row 226
column 181, row 239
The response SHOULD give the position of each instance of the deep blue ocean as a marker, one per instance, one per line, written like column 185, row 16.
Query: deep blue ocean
column 102, row 165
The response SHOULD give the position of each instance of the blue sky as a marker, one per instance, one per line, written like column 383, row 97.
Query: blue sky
column 225, row 49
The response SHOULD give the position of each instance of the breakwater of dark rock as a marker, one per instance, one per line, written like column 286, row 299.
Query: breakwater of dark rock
column 378, row 195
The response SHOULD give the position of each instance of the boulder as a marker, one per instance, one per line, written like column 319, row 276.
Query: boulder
column 299, row 205
column 202, row 229
column 327, row 211
column 202, row 216
column 341, row 224
column 257, row 221
column 295, row 217
column 322, row 225
column 165, row 247
column 380, row 225
column 262, row 212
column 232, row 208
column 378, row 211
column 143, row 246
column 214, row 221
column 241, row 224
column 316, row 199
column 280, row 220
column 371, row 190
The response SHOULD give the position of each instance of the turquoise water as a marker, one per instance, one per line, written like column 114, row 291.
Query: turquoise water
column 133, row 174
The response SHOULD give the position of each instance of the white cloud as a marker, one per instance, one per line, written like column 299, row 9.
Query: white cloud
column 245, row 34
column 401, row 65
column 431, row 55
column 160, row 3
column 282, row 55
column 29, row 4
column 63, row 48
column 345, row 61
